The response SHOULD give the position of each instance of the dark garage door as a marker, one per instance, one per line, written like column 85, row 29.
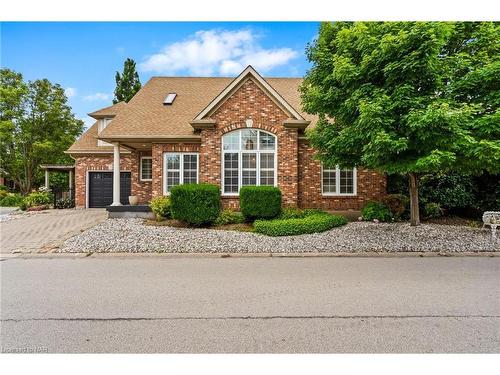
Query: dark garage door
column 101, row 188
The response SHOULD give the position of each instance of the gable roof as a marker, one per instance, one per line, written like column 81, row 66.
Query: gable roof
column 87, row 143
column 110, row 111
column 146, row 116
column 236, row 83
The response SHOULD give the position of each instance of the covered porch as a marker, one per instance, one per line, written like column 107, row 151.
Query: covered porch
column 126, row 208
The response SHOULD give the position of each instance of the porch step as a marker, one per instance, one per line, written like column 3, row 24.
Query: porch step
column 128, row 212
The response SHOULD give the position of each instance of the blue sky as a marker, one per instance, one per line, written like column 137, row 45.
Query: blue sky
column 83, row 57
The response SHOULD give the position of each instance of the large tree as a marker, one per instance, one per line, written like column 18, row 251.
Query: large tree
column 406, row 97
column 127, row 83
column 36, row 126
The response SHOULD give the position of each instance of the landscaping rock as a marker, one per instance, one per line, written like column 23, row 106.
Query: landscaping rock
column 131, row 235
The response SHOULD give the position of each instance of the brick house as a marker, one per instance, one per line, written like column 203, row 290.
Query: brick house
column 230, row 132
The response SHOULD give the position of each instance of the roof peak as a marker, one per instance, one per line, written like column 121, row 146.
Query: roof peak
column 111, row 110
column 247, row 73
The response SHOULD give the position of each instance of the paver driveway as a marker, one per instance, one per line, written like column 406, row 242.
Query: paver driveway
column 43, row 231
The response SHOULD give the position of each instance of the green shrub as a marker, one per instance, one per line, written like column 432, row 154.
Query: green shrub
column 396, row 203
column 39, row 198
column 22, row 205
column 195, row 204
column 229, row 217
column 11, row 200
column 314, row 223
column 376, row 211
column 4, row 188
column 432, row 210
column 64, row 203
column 3, row 193
column 160, row 207
column 297, row 213
column 260, row 202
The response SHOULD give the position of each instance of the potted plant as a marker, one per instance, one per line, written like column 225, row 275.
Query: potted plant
column 133, row 200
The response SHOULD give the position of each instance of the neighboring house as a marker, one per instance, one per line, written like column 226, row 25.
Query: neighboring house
column 230, row 132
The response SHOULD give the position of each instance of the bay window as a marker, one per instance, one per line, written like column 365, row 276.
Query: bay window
column 179, row 168
column 336, row 181
column 248, row 158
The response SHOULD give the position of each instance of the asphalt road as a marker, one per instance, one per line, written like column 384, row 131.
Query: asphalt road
column 318, row 305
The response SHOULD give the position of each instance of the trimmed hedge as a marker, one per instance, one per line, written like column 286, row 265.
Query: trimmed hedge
column 160, row 207
column 297, row 213
column 260, row 202
column 376, row 211
column 314, row 223
column 195, row 204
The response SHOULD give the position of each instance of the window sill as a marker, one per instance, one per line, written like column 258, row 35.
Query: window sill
column 145, row 180
column 339, row 195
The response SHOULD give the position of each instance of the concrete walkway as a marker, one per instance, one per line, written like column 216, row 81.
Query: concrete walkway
column 41, row 232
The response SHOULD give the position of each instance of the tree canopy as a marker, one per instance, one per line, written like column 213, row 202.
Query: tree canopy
column 406, row 97
column 127, row 83
column 36, row 127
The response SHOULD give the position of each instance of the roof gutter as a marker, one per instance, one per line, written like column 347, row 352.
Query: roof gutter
column 152, row 138
column 296, row 124
column 203, row 124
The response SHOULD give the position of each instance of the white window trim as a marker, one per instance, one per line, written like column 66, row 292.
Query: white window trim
column 337, row 183
column 181, row 168
column 140, row 168
column 240, row 151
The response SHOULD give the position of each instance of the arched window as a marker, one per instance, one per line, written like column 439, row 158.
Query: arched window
column 248, row 158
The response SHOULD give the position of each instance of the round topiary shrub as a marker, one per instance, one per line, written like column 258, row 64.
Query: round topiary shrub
column 260, row 202
column 160, row 207
column 314, row 223
column 376, row 211
column 195, row 204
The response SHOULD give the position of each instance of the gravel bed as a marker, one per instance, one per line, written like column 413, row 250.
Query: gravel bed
column 132, row 235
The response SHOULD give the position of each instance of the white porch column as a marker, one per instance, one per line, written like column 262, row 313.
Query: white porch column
column 46, row 179
column 70, row 183
column 116, row 174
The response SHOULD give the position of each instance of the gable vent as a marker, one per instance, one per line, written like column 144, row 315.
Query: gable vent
column 169, row 99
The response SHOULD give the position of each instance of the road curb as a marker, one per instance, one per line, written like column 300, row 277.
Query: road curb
column 248, row 255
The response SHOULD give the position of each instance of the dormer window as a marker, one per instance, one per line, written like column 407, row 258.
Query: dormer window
column 169, row 99
column 103, row 123
column 101, row 126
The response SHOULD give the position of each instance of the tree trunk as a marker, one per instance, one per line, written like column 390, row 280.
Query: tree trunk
column 414, row 212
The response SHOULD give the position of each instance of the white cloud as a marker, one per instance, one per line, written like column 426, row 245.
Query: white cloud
column 215, row 52
column 98, row 96
column 70, row 92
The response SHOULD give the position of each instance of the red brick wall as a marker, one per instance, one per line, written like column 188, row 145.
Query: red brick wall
column 128, row 162
column 249, row 101
column 371, row 185
column 158, row 149
column 298, row 173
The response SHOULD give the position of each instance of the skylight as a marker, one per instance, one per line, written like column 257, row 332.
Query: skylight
column 169, row 99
